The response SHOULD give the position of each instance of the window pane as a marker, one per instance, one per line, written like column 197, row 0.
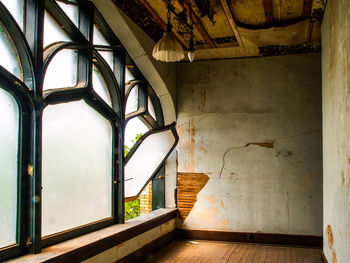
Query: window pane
column 9, row 56
column 128, row 75
column 133, row 128
column 76, row 167
column 16, row 8
column 99, row 38
column 62, row 71
column 53, row 32
column 100, row 86
column 151, row 109
column 132, row 104
column 146, row 160
column 8, row 168
column 72, row 11
column 109, row 57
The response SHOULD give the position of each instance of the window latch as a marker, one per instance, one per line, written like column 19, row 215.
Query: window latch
column 30, row 170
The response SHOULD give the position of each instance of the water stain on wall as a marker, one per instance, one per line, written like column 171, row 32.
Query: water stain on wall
column 188, row 186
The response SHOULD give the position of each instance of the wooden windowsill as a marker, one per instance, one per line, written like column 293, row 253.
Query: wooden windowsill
column 91, row 244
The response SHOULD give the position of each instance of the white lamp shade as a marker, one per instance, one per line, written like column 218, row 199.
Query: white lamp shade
column 168, row 49
column 191, row 55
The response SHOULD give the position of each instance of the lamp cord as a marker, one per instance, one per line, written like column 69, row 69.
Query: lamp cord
column 168, row 15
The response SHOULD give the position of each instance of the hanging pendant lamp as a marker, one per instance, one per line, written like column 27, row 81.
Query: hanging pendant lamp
column 168, row 48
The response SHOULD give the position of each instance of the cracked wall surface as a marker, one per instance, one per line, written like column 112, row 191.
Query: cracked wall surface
column 254, row 127
column 336, row 130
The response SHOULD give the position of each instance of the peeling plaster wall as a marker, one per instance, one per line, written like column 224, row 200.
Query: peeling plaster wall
column 336, row 130
column 254, row 127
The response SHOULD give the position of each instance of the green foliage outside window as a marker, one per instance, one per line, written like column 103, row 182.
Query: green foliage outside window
column 132, row 208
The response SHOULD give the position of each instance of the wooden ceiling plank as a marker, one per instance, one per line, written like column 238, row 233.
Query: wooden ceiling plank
column 268, row 11
column 158, row 19
column 307, row 8
column 198, row 24
column 232, row 22
column 154, row 15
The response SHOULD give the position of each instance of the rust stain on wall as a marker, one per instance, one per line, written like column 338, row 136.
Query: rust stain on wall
column 330, row 237
column 188, row 186
column 203, row 93
column 187, row 135
column 334, row 257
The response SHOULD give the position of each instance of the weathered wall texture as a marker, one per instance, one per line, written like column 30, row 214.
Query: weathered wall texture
column 254, row 127
column 336, row 130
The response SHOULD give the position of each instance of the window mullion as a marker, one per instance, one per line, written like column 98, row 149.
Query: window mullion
column 34, row 34
column 119, row 72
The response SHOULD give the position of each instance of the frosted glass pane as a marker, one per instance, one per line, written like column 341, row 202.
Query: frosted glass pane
column 134, row 127
column 72, row 11
column 99, row 38
column 128, row 75
column 53, row 32
column 100, row 86
column 109, row 57
column 132, row 104
column 9, row 56
column 8, row 168
column 62, row 71
column 146, row 160
column 76, row 167
column 151, row 109
column 16, row 8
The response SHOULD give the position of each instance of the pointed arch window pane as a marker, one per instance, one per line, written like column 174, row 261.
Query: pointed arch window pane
column 77, row 162
column 99, row 38
column 109, row 57
column 71, row 10
column 16, row 8
column 8, row 168
column 133, row 128
column 100, row 86
column 62, row 71
column 128, row 75
column 9, row 56
column 151, row 109
column 132, row 103
column 53, row 32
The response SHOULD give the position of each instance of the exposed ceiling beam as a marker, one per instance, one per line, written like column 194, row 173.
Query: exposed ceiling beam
column 307, row 7
column 268, row 11
column 154, row 15
column 232, row 22
column 198, row 24
column 158, row 19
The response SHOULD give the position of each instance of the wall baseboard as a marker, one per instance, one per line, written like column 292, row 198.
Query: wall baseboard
column 147, row 251
column 262, row 238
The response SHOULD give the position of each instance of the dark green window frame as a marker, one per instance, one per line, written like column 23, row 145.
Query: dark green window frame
column 32, row 100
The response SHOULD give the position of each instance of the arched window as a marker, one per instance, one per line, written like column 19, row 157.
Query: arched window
column 69, row 96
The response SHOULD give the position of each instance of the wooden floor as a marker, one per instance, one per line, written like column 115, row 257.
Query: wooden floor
column 209, row 251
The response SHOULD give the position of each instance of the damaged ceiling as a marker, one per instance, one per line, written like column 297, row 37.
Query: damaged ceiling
column 236, row 28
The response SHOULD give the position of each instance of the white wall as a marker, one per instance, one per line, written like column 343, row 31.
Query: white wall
column 336, row 130
column 224, row 107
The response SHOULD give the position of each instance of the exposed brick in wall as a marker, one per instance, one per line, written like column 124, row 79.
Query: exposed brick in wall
column 146, row 200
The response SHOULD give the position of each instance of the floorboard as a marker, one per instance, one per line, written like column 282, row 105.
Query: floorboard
column 200, row 251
